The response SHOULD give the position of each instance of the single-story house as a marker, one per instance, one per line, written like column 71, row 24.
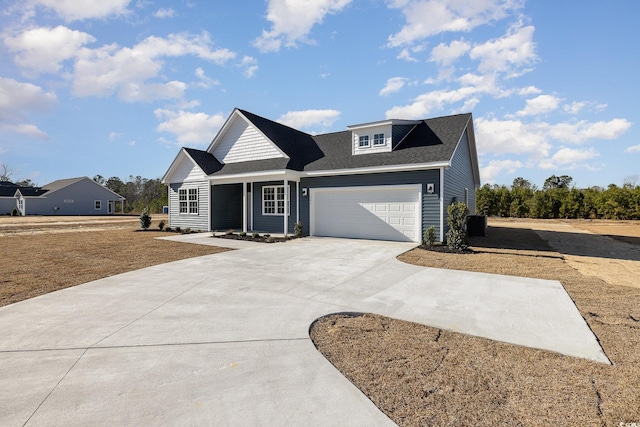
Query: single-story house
column 386, row 180
column 7, row 197
column 73, row 196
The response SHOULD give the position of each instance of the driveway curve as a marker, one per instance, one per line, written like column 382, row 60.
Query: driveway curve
column 223, row 339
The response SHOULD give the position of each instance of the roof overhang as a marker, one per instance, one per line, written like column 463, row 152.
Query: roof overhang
column 272, row 175
column 382, row 123
column 379, row 169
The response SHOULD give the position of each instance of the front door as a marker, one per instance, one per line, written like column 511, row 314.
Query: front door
column 109, row 208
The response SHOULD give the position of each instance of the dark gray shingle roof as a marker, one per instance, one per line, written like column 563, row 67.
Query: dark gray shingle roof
column 430, row 141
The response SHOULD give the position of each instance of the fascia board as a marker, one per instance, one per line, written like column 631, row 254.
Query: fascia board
column 379, row 169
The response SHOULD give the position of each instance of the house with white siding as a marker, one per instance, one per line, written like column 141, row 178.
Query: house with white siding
column 387, row 180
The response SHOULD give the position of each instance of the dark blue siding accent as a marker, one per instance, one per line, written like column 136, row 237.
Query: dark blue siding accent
column 226, row 207
column 398, row 132
column 272, row 223
column 430, row 202
column 460, row 176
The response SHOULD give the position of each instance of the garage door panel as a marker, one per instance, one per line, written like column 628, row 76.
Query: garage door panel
column 385, row 213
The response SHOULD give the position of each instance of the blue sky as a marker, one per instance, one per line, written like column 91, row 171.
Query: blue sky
column 115, row 87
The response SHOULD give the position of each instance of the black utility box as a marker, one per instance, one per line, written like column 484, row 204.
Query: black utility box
column 477, row 225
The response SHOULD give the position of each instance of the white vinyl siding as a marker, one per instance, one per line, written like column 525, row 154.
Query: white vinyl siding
column 378, row 140
column 382, row 213
column 187, row 171
column 194, row 221
column 242, row 142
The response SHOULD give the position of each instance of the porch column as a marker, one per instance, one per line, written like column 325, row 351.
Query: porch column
column 298, row 201
column 244, row 207
column 286, row 206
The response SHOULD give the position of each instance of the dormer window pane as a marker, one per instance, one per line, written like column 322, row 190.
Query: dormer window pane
column 364, row 141
column 378, row 139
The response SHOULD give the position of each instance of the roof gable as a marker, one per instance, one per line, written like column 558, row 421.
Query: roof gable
column 240, row 140
column 191, row 165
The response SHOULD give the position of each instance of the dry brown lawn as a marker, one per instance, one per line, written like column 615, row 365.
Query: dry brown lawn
column 416, row 374
column 420, row 375
column 40, row 256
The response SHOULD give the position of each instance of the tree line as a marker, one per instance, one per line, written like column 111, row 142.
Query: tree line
column 141, row 193
column 559, row 199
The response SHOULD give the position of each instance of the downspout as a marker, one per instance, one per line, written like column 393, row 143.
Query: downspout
column 442, row 204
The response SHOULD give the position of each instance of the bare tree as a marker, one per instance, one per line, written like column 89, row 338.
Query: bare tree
column 5, row 172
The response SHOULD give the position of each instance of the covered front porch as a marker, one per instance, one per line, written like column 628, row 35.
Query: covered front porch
column 266, row 204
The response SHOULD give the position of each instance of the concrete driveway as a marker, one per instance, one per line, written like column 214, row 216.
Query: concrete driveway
column 223, row 339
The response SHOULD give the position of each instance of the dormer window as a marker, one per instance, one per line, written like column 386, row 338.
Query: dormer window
column 364, row 141
column 378, row 139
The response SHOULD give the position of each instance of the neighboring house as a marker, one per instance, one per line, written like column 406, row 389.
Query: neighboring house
column 7, row 197
column 386, row 180
column 73, row 196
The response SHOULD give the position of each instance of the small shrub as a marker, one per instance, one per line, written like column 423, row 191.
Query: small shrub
column 168, row 229
column 457, row 235
column 297, row 229
column 267, row 235
column 145, row 220
column 255, row 235
column 229, row 232
column 187, row 230
column 242, row 234
column 269, row 239
column 178, row 229
column 161, row 225
column 14, row 212
column 430, row 236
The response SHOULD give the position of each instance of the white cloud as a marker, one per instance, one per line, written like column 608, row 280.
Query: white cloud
column 292, row 21
column 496, row 136
column 496, row 167
column 113, row 135
column 394, row 84
column 309, row 118
column 44, row 49
column 189, row 128
column 633, row 149
column 583, row 131
column 542, row 104
column 103, row 71
column 74, row 10
column 29, row 130
column 250, row 66
column 569, row 158
column 447, row 54
column 205, row 81
column 165, row 12
column 529, row 90
column 17, row 101
column 507, row 54
column 425, row 18
column 133, row 92
column 575, row 107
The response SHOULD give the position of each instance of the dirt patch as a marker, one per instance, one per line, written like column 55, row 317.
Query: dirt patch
column 37, row 263
column 420, row 375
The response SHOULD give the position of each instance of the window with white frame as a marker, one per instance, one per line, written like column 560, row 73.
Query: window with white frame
column 273, row 200
column 363, row 141
column 378, row 139
column 188, row 200
column 97, row 205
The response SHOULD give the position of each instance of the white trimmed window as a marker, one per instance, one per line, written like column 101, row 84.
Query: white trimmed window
column 97, row 205
column 188, row 200
column 363, row 141
column 273, row 200
column 378, row 139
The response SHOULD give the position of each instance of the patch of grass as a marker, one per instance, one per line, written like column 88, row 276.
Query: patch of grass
column 35, row 264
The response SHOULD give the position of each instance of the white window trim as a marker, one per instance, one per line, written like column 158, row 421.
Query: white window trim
column 381, row 144
column 97, row 205
column 188, row 200
column 360, row 139
column 275, row 200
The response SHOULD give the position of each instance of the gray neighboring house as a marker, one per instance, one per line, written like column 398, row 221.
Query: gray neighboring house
column 8, row 201
column 386, row 180
column 73, row 196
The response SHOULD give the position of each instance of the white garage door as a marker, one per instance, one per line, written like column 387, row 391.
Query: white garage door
column 382, row 213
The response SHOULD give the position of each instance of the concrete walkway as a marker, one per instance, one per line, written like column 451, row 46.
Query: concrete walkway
column 223, row 339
